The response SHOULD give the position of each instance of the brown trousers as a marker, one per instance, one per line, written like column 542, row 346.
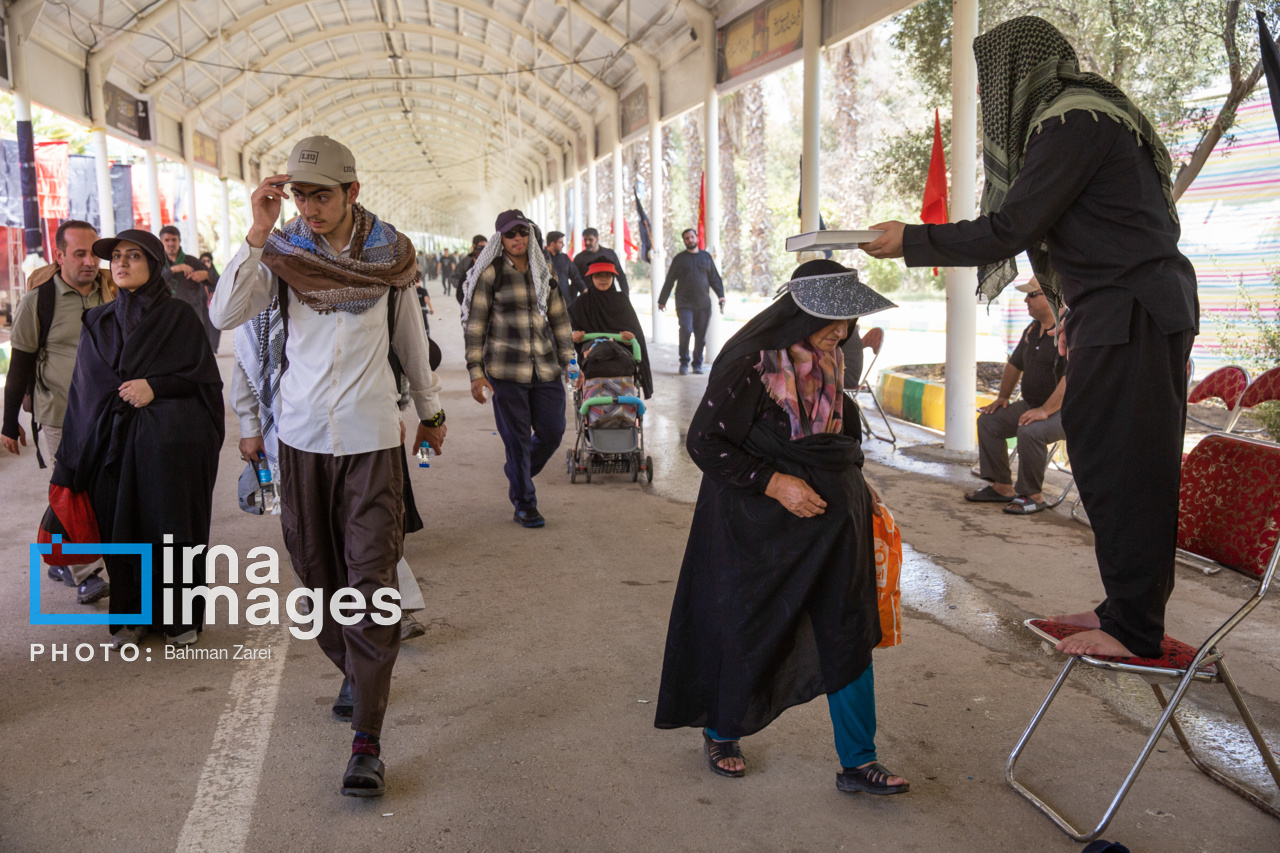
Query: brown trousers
column 343, row 521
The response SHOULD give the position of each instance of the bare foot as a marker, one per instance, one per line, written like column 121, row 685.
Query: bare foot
column 1095, row 642
column 1088, row 619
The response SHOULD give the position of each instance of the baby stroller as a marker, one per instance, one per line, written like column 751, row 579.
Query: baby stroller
column 609, row 413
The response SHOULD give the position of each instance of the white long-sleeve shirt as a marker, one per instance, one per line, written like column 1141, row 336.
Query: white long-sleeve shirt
column 338, row 394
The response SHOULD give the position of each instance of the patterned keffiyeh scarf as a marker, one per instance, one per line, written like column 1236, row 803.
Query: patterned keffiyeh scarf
column 381, row 258
column 259, row 346
column 809, row 386
column 1028, row 74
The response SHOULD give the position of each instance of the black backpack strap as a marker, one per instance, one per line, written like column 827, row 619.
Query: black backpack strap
column 397, row 367
column 282, row 297
column 46, row 304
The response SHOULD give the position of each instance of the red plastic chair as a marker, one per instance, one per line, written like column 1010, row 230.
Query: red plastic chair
column 1227, row 384
column 1262, row 390
column 1229, row 512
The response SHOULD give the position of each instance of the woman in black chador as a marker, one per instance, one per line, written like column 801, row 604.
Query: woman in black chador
column 776, row 602
column 142, row 431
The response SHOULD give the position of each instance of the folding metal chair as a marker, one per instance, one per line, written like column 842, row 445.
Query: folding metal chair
column 864, row 385
column 1229, row 511
column 1227, row 384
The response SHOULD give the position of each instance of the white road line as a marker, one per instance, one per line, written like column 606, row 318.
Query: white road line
column 219, row 818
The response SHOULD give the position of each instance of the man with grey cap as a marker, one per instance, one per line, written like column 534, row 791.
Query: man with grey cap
column 338, row 273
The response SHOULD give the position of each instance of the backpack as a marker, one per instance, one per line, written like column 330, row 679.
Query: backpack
column 46, row 303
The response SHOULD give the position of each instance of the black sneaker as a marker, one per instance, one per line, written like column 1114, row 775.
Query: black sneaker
column 93, row 588
column 529, row 518
column 62, row 573
column 684, row 369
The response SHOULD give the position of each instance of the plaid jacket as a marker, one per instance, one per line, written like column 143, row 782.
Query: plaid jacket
column 506, row 338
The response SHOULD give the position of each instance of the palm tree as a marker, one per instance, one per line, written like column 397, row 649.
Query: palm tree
column 731, row 121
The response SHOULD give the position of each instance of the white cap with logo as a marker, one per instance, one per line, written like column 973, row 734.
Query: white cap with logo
column 321, row 161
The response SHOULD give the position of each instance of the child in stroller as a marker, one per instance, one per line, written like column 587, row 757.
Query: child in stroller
column 610, row 417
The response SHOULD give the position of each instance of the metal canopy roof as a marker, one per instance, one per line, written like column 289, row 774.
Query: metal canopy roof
column 458, row 97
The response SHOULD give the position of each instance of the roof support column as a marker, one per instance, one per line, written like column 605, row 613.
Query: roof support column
column 619, row 217
column 225, row 231
column 562, row 198
column 811, row 146
column 593, row 188
column 705, row 26
column 19, row 27
column 153, row 191
column 962, row 283
column 658, row 259
column 98, row 143
column 191, row 233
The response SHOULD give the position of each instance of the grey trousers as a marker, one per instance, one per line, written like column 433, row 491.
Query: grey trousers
column 1033, row 446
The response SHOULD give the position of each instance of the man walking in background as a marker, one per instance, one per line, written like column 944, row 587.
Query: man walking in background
column 459, row 276
column 694, row 275
column 187, row 277
column 592, row 252
column 567, row 275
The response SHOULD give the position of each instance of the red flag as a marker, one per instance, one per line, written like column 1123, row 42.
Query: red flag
column 702, row 214
column 629, row 248
column 52, row 170
column 934, row 210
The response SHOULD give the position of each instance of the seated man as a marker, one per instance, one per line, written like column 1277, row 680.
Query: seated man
column 1035, row 419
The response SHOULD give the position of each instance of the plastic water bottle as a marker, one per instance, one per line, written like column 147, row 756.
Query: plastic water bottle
column 573, row 370
column 267, row 487
column 425, row 454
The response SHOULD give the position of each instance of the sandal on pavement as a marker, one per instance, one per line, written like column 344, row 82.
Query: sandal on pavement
column 987, row 495
column 719, row 750
column 870, row 779
column 1023, row 505
column 365, row 777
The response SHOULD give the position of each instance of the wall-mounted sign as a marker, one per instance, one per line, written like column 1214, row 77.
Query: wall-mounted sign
column 635, row 111
column 760, row 41
column 204, row 149
column 128, row 113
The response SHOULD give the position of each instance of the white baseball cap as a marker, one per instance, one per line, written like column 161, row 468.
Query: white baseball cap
column 321, row 161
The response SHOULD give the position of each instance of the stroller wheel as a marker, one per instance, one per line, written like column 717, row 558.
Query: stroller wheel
column 588, row 466
column 648, row 468
column 635, row 468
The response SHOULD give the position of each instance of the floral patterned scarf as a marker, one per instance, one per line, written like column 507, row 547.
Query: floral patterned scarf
column 809, row 386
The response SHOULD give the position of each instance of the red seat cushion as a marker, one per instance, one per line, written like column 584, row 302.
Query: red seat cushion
column 1229, row 502
column 1174, row 654
column 1226, row 383
column 1265, row 387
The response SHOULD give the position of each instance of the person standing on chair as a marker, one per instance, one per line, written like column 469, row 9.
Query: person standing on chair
column 1078, row 178
column 693, row 274
column 1035, row 419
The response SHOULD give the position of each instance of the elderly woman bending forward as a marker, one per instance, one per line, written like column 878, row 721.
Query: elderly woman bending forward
column 776, row 602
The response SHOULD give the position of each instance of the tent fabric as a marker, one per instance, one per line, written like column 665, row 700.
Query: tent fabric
column 82, row 190
column 52, row 166
column 10, row 185
column 122, row 196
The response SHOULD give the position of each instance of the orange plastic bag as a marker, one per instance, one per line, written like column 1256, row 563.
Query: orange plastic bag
column 888, row 542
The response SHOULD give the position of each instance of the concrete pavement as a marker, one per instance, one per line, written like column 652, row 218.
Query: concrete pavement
column 523, row 719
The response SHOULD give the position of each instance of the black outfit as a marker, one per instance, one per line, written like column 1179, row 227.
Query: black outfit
column 1042, row 368
column 694, row 276
column 446, row 274
column 1094, row 195
column 771, row 610
column 187, row 289
column 611, row 312
column 149, row 471
column 585, row 259
column 572, row 284
column 459, row 275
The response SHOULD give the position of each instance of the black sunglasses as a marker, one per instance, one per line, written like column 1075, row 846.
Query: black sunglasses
column 518, row 231
column 1033, row 294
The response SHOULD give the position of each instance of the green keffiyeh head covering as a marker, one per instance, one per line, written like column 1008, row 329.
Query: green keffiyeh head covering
column 1028, row 74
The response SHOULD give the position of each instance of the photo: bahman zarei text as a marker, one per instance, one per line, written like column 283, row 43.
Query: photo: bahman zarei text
column 511, row 425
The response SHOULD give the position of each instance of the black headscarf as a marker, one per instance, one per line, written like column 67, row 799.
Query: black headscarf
column 783, row 323
column 134, row 305
column 610, row 312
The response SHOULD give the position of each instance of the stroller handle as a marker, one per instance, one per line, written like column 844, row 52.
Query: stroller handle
column 635, row 342
column 625, row 399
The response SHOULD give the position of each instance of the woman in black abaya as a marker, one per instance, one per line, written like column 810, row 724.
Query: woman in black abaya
column 142, row 431
column 776, row 602
column 602, row 309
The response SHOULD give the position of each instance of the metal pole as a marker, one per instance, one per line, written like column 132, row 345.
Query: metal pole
column 711, row 154
column 619, row 218
column 658, row 265
column 962, row 283
column 226, row 222
column 812, row 48
column 153, row 191
column 33, row 241
column 98, row 141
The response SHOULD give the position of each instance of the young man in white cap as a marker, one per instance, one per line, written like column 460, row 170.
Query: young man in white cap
column 339, row 273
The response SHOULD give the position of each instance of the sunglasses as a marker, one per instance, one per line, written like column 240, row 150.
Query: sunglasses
column 518, row 231
column 1035, row 293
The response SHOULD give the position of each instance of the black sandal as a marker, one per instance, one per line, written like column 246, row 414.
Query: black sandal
column 870, row 779
column 719, row 750
column 365, row 776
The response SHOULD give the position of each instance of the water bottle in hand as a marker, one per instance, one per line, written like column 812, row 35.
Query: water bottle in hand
column 573, row 370
column 267, row 487
column 425, row 454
